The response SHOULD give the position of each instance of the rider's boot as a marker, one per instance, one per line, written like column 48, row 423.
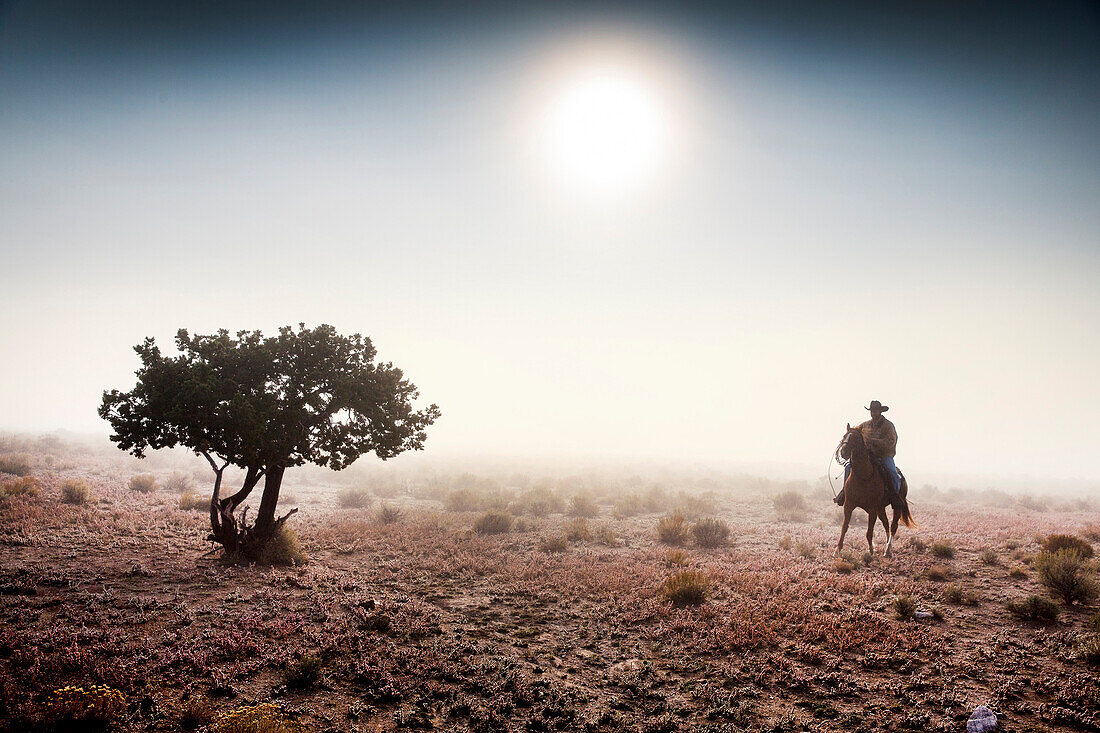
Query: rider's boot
column 839, row 498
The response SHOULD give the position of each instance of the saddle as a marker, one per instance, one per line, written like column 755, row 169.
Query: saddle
column 886, row 478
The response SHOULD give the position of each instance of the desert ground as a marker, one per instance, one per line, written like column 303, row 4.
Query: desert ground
column 405, row 616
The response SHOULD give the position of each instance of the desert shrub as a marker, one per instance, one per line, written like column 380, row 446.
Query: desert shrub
column 554, row 544
column 84, row 708
column 17, row 464
column 989, row 556
column 1018, row 572
column 582, row 505
column 605, row 535
column 918, row 544
column 388, row 514
column 904, row 607
column 711, row 532
column 1092, row 532
column 943, row 549
column 785, row 542
column 959, row 595
column 693, row 506
column 673, row 529
column 178, row 482
column 190, row 501
column 937, row 573
column 493, row 523
column 578, row 530
column 195, row 714
column 472, row 500
column 283, row 549
column 790, row 506
column 627, row 506
column 539, row 502
column 462, row 500
column 806, row 550
column 290, row 499
column 1032, row 504
column 687, row 588
column 1033, row 608
column 1072, row 543
column 26, row 486
column 355, row 497
column 1064, row 574
column 74, row 491
column 304, row 673
column 265, row 718
column 143, row 483
column 843, row 565
column 1094, row 622
column 677, row 558
column 1089, row 650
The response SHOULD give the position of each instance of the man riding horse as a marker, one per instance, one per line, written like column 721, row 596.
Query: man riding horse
column 881, row 439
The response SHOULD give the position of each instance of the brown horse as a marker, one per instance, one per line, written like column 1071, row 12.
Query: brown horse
column 866, row 489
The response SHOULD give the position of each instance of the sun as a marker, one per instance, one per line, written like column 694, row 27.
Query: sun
column 604, row 132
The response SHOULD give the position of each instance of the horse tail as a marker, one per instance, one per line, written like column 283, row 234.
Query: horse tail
column 906, row 517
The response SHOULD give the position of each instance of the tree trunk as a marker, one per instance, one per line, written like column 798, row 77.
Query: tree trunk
column 265, row 518
column 230, row 503
column 223, row 528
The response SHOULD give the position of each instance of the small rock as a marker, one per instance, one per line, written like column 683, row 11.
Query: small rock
column 982, row 720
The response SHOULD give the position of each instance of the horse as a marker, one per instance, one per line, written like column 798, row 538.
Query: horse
column 866, row 489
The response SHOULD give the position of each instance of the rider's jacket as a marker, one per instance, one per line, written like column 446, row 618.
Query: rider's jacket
column 880, row 437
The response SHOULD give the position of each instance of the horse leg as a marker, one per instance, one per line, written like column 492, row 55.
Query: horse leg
column 844, row 529
column 886, row 526
column 894, row 523
column 871, row 532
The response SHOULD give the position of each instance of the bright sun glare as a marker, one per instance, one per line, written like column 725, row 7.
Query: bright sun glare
column 605, row 132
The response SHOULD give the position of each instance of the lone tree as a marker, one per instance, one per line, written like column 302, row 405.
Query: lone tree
column 265, row 404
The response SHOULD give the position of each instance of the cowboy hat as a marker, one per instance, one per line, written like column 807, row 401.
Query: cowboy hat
column 876, row 405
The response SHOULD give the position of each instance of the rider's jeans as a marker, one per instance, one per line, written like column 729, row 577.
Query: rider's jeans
column 891, row 471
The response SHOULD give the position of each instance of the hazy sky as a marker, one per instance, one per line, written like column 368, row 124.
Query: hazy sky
column 809, row 206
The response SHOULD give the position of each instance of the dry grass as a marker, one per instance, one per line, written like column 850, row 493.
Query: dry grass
column 687, row 588
column 355, row 497
column 904, row 606
column 578, row 530
column 943, row 549
column 178, row 482
column 387, row 514
column 1033, row 608
column 26, row 487
column 191, row 502
column 938, row 573
column 583, row 506
column 673, row 530
column 493, row 523
column 284, row 549
column 1068, row 542
column 143, row 483
column 74, row 491
column 1063, row 573
column 17, row 464
column 711, row 532
column 790, row 506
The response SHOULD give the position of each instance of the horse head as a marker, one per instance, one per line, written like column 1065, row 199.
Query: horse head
column 853, row 439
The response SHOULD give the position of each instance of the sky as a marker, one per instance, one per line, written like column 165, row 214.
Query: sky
column 684, row 232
